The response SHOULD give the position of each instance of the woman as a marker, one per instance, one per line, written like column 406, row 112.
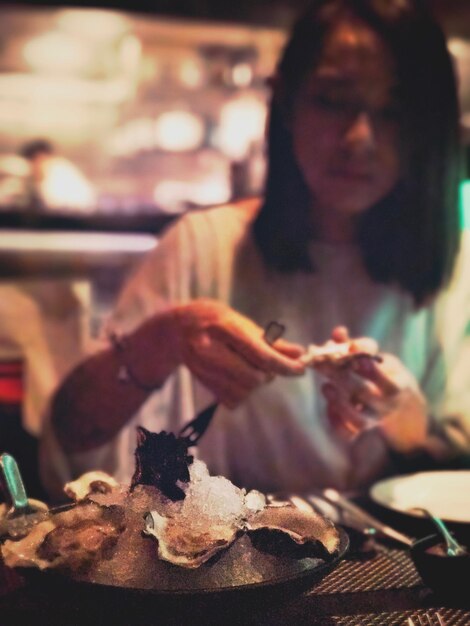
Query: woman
column 357, row 232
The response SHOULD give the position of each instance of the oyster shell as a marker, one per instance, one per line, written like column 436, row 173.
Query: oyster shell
column 208, row 520
column 72, row 539
column 188, row 547
column 90, row 483
column 337, row 354
column 278, row 530
column 289, row 531
column 23, row 553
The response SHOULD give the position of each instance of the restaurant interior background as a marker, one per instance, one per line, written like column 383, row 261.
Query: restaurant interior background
column 153, row 109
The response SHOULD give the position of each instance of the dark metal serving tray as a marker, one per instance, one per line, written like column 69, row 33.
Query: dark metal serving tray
column 182, row 591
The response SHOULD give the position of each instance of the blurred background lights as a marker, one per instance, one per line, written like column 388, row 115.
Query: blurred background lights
column 13, row 165
column 133, row 137
column 64, row 186
column 139, row 134
column 179, row 131
column 63, row 241
column 242, row 123
column 459, row 47
column 242, row 75
column 211, row 190
column 71, row 90
column 98, row 25
column 191, row 73
column 173, row 196
column 57, row 52
column 130, row 51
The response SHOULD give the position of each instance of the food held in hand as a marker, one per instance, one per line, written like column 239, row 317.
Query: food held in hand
column 333, row 354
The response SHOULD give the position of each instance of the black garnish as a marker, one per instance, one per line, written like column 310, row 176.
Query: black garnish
column 161, row 460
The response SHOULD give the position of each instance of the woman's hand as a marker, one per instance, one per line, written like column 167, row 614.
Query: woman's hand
column 368, row 394
column 226, row 351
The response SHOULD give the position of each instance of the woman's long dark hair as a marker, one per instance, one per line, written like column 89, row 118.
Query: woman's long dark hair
column 410, row 238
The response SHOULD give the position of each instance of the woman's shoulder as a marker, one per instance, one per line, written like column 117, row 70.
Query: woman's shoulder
column 210, row 230
column 239, row 215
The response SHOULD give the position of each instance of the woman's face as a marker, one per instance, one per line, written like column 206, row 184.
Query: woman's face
column 346, row 122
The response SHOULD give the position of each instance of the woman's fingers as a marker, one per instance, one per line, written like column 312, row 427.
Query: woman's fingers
column 405, row 424
column 223, row 362
column 229, row 376
column 342, row 427
column 291, row 350
column 383, row 395
column 340, row 334
column 358, row 390
column 373, row 371
column 344, row 417
column 254, row 349
column 214, row 322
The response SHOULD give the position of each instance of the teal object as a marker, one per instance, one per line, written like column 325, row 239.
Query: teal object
column 14, row 483
column 464, row 202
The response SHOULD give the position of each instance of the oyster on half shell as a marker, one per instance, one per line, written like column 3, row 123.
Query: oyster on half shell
column 70, row 540
column 200, row 515
column 289, row 531
column 208, row 520
column 188, row 547
column 90, row 483
column 281, row 531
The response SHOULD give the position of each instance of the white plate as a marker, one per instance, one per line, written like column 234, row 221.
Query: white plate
column 444, row 493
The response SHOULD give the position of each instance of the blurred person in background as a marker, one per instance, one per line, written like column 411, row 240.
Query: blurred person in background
column 357, row 235
column 54, row 182
column 43, row 330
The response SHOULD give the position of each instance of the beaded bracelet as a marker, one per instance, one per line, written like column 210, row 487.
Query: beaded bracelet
column 125, row 372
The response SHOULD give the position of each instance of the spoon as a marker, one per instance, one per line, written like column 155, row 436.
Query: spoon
column 453, row 547
column 23, row 512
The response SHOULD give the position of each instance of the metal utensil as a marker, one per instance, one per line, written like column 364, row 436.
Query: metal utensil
column 23, row 513
column 340, row 516
column 368, row 520
column 453, row 547
column 332, row 512
column 195, row 429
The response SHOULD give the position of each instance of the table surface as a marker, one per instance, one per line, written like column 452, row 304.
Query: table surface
column 376, row 586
